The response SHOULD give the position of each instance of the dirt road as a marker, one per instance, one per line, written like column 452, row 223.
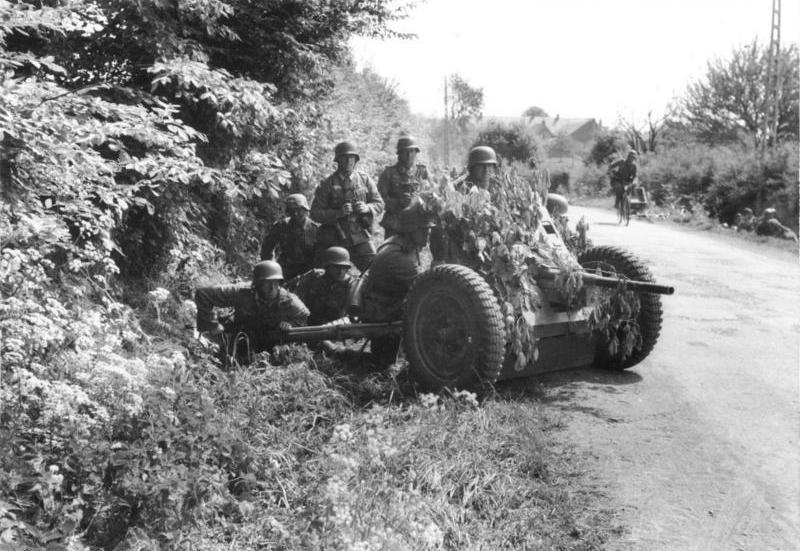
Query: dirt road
column 698, row 445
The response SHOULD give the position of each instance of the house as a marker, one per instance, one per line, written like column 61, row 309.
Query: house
column 581, row 130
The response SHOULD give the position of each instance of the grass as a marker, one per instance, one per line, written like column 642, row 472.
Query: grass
column 348, row 459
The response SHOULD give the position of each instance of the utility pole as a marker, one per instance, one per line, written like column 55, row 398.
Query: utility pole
column 772, row 90
column 446, row 130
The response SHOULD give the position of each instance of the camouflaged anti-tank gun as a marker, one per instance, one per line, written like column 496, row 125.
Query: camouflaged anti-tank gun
column 458, row 332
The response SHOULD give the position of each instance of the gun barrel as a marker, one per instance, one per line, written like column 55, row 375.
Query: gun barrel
column 605, row 281
column 637, row 286
column 341, row 332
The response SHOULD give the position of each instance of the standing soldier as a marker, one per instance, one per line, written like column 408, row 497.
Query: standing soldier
column 391, row 274
column 325, row 291
column 346, row 204
column 260, row 308
column 481, row 167
column 622, row 174
column 295, row 238
column 400, row 183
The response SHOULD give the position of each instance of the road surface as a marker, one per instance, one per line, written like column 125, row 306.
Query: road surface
column 697, row 447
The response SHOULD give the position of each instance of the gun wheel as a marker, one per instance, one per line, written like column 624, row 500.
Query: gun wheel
column 453, row 331
column 616, row 261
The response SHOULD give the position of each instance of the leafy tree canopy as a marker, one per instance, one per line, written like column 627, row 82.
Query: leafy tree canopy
column 729, row 103
column 532, row 112
column 513, row 142
column 466, row 102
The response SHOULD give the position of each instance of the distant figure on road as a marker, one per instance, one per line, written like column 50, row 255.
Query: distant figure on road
column 768, row 224
column 623, row 174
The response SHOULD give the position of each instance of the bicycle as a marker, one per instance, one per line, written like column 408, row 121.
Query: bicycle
column 624, row 208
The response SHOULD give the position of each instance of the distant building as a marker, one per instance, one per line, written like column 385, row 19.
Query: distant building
column 581, row 130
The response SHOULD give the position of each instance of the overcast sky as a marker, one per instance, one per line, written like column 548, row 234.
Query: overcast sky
column 576, row 58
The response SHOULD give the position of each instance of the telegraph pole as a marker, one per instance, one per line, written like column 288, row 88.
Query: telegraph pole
column 772, row 89
column 446, row 130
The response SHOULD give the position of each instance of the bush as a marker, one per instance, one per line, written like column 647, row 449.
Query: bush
column 513, row 142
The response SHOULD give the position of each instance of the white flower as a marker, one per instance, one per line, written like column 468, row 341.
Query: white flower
column 158, row 295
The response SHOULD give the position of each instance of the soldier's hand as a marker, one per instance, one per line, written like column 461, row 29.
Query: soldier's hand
column 347, row 210
column 284, row 326
column 361, row 207
column 405, row 200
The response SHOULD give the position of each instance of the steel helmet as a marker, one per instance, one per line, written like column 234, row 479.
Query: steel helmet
column 267, row 269
column 633, row 153
column 407, row 142
column 336, row 256
column 345, row 148
column 557, row 204
column 414, row 216
column 481, row 155
column 297, row 200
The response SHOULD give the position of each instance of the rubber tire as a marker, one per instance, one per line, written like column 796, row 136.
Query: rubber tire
column 474, row 355
column 650, row 314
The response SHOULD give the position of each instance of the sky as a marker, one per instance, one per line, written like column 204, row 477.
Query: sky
column 607, row 59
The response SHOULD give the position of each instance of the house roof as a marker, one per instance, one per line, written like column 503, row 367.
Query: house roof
column 557, row 125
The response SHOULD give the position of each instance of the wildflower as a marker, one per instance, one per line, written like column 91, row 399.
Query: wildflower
column 158, row 295
column 430, row 401
column 466, row 397
column 342, row 433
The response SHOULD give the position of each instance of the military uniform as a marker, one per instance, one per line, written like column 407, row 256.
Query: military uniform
column 621, row 174
column 325, row 297
column 397, row 184
column 296, row 244
column 251, row 316
column 353, row 232
column 388, row 281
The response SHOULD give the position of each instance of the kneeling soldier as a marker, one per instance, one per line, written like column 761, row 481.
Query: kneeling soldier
column 391, row 274
column 325, row 291
column 260, row 309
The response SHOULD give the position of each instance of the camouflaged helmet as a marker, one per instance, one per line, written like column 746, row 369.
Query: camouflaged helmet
column 267, row 269
column 336, row 256
column 345, row 148
column 407, row 142
column 414, row 216
column 481, row 155
column 297, row 200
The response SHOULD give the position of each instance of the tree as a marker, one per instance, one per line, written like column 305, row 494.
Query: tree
column 532, row 112
column 513, row 142
column 466, row 102
column 728, row 105
column 646, row 136
column 606, row 147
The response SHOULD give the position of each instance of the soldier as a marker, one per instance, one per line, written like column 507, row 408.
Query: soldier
column 260, row 308
column 295, row 237
column 622, row 174
column 481, row 166
column 400, row 183
column 325, row 291
column 768, row 224
column 345, row 204
column 745, row 220
column 391, row 274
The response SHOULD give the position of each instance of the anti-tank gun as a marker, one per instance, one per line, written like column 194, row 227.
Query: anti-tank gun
column 537, row 308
